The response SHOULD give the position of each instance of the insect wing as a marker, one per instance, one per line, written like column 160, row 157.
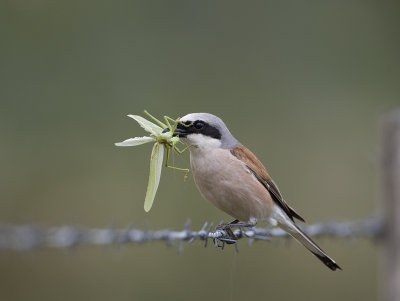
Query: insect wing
column 156, row 161
column 135, row 141
column 150, row 127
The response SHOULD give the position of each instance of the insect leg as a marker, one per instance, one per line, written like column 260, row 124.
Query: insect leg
column 183, row 150
column 186, row 170
column 155, row 120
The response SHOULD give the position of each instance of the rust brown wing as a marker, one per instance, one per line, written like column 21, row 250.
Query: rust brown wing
column 261, row 174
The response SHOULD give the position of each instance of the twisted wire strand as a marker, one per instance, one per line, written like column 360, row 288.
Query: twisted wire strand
column 28, row 237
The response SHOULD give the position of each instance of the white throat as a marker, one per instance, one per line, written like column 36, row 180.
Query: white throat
column 203, row 142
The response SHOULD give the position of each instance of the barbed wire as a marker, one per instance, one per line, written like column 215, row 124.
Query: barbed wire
column 28, row 237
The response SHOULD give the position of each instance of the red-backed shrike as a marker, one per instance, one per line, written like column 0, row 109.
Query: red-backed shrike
column 232, row 178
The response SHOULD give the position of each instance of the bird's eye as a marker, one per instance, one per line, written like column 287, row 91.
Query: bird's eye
column 198, row 125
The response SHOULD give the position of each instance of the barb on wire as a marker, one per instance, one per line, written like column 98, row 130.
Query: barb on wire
column 28, row 237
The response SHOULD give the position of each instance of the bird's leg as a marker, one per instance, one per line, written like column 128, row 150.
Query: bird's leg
column 236, row 223
column 228, row 230
column 249, row 224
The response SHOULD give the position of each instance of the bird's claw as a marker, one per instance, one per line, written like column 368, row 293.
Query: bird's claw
column 227, row 228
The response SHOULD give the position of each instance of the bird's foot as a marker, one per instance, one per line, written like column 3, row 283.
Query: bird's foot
column 249, row 224
column 227, row 228
column 232, row 238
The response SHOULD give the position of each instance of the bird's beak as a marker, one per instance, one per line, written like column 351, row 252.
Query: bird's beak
column 180, row 132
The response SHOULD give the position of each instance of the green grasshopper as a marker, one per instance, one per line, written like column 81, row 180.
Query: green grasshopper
column 162, row 141
column 168, row 140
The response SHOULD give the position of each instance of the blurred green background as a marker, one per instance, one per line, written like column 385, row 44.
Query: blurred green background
column 301, row 83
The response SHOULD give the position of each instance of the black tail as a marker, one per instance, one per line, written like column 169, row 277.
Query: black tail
column 306, row 241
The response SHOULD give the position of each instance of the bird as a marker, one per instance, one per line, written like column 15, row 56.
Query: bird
column 235, row 181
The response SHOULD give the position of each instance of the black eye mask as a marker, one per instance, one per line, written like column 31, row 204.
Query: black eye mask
column 198, row 127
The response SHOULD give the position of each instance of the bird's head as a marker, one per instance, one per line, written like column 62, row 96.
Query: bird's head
column 205, row 131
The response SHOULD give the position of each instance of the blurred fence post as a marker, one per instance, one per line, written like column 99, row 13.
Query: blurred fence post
column 391, row 190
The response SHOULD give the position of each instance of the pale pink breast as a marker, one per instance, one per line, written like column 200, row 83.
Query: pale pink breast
column 224, row 181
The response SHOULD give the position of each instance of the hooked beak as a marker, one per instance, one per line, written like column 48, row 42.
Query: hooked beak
column 180, row 132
